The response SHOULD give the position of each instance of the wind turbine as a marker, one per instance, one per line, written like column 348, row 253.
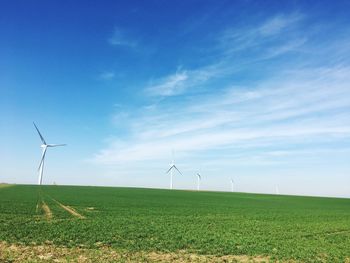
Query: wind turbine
column 276, row 190
column 231, row 185
column 198, row 180
column 44, row 147
column 172, row 167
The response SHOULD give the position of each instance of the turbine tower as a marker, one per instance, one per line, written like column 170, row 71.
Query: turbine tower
column 199, row 178
column 44, row 147
column 231, row 185
column 277, row 190
column 172, row 167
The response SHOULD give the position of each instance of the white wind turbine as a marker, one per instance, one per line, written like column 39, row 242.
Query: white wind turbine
column 44, row 147
column 199, row 178
column 277, row 190
column 172, row 167
column 231, row 185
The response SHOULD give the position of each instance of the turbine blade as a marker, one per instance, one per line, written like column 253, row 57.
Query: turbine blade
column 170, row 169
column 199, row 176
column 55, row 145
column 41, row 137
column 177, row 169
column 42, row 158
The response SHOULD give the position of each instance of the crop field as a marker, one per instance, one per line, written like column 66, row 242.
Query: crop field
column 91, row 224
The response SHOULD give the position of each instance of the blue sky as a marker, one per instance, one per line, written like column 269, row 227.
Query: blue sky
column 257, row 91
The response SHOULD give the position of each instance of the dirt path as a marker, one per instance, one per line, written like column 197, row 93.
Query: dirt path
column 51, row 253
column 47, row 210
column 70, row 210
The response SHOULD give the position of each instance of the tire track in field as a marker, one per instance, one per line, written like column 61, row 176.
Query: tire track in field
column 328, row 233
column 69, row 209
column 47, row 211
column 337, row 232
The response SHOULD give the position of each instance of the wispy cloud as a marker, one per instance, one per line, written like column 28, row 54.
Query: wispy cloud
column 290, row 46
column 183, row 81
column 263, row 40
column 107, row 75
column 288, row 109
column 119, row 38
column 292, row 106
column 280, row 30
column 279, row 23
column 169, row 86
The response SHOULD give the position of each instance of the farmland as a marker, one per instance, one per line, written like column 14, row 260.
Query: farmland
column 129, row 224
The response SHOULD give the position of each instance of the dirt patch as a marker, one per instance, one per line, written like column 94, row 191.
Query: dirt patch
column 47, row 210
column 182, row 256
column 70, row 210
column 51, row 253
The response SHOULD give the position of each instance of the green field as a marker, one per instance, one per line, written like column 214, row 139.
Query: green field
column 195, row 225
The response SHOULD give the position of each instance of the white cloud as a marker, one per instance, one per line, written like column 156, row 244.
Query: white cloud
column 169, row 86
column 232, row 41
column 182, row 81
column 119, row 38
column 288, row 109
column 119, row 117
column 107, row 75
column 290, row 46
column 278, row 32
column 278, row 23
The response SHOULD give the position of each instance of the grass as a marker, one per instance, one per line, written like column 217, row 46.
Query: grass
column 130, row 220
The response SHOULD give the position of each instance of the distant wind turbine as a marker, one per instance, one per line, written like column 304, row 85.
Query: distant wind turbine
column 231, row 185
column 172, row 167
column 44, row 147
column 199, row 178
column 276, row 189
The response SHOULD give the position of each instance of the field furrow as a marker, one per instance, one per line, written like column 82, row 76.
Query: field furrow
column 47, row 210
column 70, row 210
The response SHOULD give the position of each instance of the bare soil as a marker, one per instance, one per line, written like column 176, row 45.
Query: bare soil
column 47, row 210
column 51, row 253
column 70, row 210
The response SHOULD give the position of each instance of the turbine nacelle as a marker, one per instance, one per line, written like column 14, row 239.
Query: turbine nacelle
column 170, row 170
column 55, row 145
